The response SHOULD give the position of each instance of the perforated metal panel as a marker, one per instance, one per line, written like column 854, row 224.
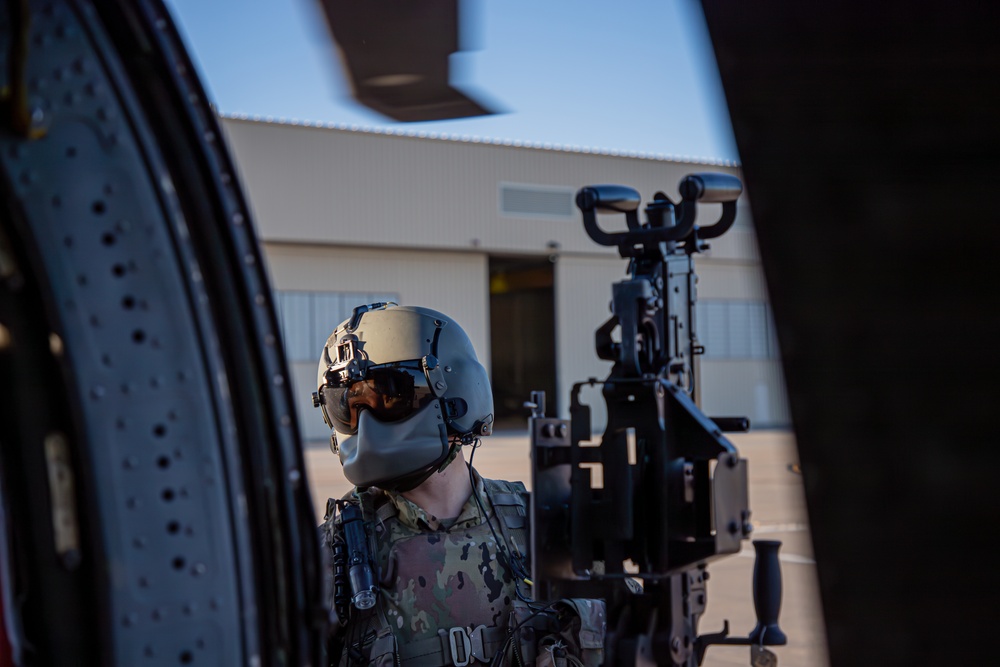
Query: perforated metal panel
column 183, row 428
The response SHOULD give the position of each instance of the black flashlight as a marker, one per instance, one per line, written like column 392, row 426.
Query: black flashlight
column 359, row 567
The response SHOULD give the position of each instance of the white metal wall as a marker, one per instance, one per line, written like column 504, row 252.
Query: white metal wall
column 745, row 388
column 311, row 184
column 345, row 211
column 583, row 298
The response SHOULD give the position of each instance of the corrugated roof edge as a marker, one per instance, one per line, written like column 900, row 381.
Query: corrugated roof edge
column 473, row 139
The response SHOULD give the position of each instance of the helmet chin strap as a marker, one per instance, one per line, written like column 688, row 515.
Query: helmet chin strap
column 411, row 482
column 453, row 449
column 416, row 478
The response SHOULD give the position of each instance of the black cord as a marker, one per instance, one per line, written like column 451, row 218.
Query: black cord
column 502, row 554
column 501, row 652
column 515, row 566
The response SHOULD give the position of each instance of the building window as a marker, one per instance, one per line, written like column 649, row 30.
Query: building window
column 308, row 318
column 735, row 329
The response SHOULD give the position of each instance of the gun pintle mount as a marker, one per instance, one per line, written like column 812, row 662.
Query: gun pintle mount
column 674, row 491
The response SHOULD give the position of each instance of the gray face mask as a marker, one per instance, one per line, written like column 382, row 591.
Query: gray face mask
column 396, row 456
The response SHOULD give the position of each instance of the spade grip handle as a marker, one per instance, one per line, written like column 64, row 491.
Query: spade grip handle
column 767, row 594
column 711, row 187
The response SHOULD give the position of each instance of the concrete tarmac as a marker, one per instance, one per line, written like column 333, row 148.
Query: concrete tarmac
column 779, row 513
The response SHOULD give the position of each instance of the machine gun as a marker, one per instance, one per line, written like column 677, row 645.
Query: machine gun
column 673, row 493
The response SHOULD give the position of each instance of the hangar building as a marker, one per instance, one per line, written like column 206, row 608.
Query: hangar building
column 487, row 232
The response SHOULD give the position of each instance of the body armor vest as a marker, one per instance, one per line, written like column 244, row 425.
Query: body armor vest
column 445, row 598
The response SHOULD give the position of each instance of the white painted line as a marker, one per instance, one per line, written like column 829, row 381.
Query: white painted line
column 763, row 529
column 748, row 552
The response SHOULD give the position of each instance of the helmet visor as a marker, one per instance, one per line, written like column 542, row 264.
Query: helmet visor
column 391, row 392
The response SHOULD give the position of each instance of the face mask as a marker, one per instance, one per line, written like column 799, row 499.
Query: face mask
column 397, row 455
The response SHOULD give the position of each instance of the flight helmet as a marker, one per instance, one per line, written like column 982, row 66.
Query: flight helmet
column 402, row 389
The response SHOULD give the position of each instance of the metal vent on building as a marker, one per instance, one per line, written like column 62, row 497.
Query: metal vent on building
column 536, row 201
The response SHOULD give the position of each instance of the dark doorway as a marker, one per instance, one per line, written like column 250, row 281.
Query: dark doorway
column 522, row 335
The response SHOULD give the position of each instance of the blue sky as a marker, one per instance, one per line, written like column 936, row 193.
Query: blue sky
column 634, row 75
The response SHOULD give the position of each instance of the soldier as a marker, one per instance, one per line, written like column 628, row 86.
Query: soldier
column 446, row 549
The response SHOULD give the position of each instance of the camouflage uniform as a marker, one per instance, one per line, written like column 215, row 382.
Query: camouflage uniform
column 444, row 597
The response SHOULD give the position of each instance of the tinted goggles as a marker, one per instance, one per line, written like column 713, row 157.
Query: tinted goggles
column 392, row 392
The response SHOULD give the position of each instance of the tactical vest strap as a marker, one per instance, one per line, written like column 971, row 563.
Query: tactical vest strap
column 386, row 511
column 385, row 645
column 506, row 499
column 510, row 502
column 454, row 647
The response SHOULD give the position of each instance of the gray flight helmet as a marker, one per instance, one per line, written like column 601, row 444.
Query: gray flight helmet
column 401, row 454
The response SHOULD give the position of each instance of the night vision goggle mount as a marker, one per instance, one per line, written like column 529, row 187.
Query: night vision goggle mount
column 352, row 365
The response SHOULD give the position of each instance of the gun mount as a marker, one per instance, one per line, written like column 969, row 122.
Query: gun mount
column 672, row 492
